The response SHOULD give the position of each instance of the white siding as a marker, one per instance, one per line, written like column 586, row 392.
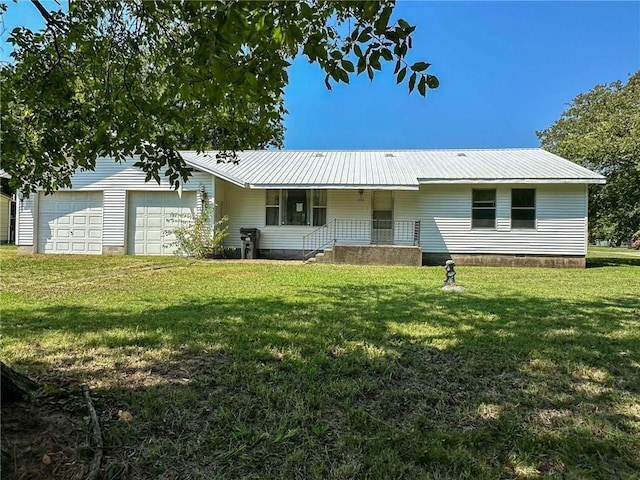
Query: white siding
column 345, row 204
column 247, row 208
column 115, row 179
column 113, row 211
column 445, row 211
column 25, row 220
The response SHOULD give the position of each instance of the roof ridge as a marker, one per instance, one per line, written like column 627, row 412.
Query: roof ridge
column 373, row 150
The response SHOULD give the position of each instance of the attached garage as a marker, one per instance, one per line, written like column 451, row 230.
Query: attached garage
column 150, row 215
column 70, row 222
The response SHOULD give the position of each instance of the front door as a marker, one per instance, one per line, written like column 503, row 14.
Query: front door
column 382, row 217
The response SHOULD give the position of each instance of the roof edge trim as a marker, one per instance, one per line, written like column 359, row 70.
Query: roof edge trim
column 428, row 181
column 228, row 178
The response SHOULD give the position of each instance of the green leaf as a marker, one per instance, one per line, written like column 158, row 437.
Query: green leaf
column 370, row 72
column 362, row 65
column 343, row 75
column 403, row 49
column 357, row 50
column 432, row 81
column 348, row 66
column 382, row 22
column 412, row 81
column 386, row 54
column 401, row 74
column 374, row 60
column 306, row 11
column 403, row 24
column 420, row 66
column 365, row 35
column 336, row 54
column 397, row 67
column 422, row 86
column 391, row 35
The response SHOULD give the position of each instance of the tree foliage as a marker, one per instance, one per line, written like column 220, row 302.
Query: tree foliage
column 601, row 131
column 141, row 78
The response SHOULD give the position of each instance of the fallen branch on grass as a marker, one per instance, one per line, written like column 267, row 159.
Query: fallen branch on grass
column 96, row 435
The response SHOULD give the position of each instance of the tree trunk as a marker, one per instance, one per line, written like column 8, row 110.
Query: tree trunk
column 14, row 385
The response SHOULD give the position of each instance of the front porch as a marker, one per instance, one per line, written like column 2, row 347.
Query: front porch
column 367, row 242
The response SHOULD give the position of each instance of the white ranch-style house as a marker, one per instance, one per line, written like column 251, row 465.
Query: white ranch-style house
column 511, row 206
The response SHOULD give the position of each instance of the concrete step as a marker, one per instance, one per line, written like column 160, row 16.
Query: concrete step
column 326, row 256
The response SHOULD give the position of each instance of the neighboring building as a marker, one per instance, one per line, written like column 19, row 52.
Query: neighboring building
column 519, row 206
column 7, row 211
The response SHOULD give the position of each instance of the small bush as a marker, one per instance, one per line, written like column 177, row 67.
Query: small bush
column 198, row 235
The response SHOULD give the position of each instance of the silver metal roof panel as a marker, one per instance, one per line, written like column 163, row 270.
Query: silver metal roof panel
column 390, row 169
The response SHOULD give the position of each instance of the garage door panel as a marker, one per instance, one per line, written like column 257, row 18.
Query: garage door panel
column 151, row 216
column 70, row 222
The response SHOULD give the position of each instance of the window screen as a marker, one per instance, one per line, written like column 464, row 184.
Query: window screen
column 523, row 208
column 483, row 211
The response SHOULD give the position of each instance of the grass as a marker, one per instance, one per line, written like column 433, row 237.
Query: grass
column 284, row 370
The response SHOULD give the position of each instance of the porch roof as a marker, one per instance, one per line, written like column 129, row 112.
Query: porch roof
column 390, row 169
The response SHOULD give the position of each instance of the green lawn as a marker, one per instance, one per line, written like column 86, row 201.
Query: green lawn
column 285, row 370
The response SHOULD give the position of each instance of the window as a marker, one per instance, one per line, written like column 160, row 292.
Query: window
column 273, row 207
column 523, row 208
column 319, row 208
column 296, row 207
column 483, row 211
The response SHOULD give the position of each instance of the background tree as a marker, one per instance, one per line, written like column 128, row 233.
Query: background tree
column 144, row 78
column 601, row 131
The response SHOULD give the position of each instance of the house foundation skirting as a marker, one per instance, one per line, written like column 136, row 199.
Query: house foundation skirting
column 490, row 260
column 376, row 255
column 109, row 250
column 26, row 250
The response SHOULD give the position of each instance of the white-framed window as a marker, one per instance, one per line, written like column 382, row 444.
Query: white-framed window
column 273, row 207
column 296, row 207
column 523, row 208
column 483, row 209
column 319, row 203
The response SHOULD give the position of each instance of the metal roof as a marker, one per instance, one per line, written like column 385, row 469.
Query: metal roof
column 390, row 169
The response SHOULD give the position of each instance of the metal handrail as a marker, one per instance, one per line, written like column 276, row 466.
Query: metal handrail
column 363, row 232
column 316, row 241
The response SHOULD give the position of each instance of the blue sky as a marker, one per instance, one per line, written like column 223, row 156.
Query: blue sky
column 506, row 69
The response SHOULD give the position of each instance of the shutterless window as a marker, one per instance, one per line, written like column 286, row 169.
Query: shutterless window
column 296, row 207
column 319, row 207
column 273, row 207
column 483, row 211
column 523, row 208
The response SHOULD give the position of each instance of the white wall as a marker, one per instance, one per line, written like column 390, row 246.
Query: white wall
column 247, row 208
column 445, row 215
column 114, row 179
column 445, row 211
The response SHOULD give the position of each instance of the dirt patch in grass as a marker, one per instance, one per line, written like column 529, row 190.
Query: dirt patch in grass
column 46, row 437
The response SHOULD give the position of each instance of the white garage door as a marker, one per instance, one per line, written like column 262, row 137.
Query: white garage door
column 70, row 222
column 150, row 215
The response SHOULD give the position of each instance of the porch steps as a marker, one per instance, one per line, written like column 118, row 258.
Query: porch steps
column 322, row 257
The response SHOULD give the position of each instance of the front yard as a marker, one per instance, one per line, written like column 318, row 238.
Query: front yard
column 284, row 370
